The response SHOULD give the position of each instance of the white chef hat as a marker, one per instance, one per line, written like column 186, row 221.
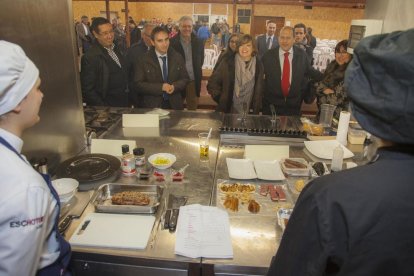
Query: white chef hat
column 18, row 75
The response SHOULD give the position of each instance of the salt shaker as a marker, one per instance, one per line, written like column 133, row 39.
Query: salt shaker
column 337, row 159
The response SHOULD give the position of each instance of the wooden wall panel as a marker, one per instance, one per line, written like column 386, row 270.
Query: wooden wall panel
column 201, row 8
column 327, row 23
column 219, row 9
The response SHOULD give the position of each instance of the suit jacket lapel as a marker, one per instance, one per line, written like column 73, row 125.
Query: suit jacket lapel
column 156, row 64
column 295, row 77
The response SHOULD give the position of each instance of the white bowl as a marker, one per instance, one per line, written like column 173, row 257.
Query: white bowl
column 65, row 188
column 163, row 156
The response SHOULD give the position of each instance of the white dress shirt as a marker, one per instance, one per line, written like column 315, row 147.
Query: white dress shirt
column 282, row 60
column 161, row 62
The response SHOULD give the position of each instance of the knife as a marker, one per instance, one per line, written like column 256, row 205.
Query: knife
column 82, row 200
column 177, row 202
column 85, row 224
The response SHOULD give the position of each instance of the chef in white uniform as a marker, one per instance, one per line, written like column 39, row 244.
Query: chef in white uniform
column 29, row 207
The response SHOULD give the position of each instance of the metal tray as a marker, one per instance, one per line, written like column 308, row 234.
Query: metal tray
column 103, row 204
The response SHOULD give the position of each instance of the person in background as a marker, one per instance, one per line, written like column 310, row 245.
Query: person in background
column 119, row 36
column 301, row 41
column 160, row 75
column 225, row 33
column 174, row 31
column 267, row 41
column 312, row 39
column 135, row 52
column 331, row 89
column 30, row 243
column 134, row 32
column 287, row 73
column 84, row 36
column 170, row 25
column 343, row 223
column 104, row 75
column 236, row 85
column 215, row 29
column 229, row 51
column 192, row 50
column 203, row 33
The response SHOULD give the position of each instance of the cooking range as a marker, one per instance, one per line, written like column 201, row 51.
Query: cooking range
column 99, row 120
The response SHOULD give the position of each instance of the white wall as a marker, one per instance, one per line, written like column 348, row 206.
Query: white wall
column 397, row 14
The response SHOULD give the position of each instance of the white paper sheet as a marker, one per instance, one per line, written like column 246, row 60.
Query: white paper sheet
column 140, row 120
column 203, row 231
column 240, row 168
column 266, row 152
column 269, row 170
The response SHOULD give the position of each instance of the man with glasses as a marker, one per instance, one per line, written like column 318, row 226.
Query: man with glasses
column 104, row 76
column 191, row 49
column 268, row 40
column 135, row 52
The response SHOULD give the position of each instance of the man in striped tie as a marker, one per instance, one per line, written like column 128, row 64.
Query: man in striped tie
column 104, row 76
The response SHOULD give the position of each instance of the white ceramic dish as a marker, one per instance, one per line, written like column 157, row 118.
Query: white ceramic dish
column 163, row 156
column 240, row 168
column 324, row 149
column 65, row 187
column 269, row 170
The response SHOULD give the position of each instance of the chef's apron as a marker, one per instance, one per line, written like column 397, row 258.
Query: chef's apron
column 61, row 264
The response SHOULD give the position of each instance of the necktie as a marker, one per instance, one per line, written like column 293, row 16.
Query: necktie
column 164, row 74
column 269, row 42
column 114, row 56
column 286, row 75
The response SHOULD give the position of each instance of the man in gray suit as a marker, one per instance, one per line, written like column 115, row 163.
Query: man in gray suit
column 268, row 40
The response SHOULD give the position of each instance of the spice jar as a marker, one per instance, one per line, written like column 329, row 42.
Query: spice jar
column 127, row 162
column 139, row 154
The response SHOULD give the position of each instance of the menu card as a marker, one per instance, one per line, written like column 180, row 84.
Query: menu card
column 203, row 231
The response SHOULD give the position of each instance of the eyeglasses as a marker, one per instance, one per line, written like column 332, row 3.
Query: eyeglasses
column 233, row 41
column 341, row 53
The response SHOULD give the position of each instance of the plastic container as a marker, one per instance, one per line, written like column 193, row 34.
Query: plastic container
column 295, row 171
column 325, row 117
column 337, row 159
column 356, row 136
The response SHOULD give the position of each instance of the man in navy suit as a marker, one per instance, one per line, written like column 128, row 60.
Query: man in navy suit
column 287, row 73
column 268, row 40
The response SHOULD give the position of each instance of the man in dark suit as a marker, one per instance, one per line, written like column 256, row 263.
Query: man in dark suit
column 301, row 41
column 160, row 75
column 84, row 36
column 104, row 74
column 268, row 40
column 287, row 73
column 134, row 54
column 191, row 49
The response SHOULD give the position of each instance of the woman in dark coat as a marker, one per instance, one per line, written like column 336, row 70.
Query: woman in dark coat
column 238, row 80
column 331, row 89
column 229, row 51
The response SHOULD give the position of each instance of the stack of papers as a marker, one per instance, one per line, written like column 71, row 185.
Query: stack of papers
column 248, row 169
column 203, row 231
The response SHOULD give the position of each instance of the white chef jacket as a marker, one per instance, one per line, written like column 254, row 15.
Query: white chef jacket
column 27, row 212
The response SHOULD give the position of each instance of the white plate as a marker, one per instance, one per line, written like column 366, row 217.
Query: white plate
column 159, row 111
column 171, row 158
column 240, row 168
column 324, row 149
column 65, row 186
column 269, row 170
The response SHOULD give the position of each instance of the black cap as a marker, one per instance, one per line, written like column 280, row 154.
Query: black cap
column 125, row 149
column 139, row 151
column 380, row 84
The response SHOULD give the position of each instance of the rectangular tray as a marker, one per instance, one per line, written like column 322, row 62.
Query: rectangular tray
column 103, row 203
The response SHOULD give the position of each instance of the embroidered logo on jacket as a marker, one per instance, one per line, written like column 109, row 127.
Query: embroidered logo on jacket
column 26, row 222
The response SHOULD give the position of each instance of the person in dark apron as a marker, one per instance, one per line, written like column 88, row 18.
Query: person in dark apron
column 29, row 206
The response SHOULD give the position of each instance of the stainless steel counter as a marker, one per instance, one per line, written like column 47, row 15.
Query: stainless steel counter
column 255, row 238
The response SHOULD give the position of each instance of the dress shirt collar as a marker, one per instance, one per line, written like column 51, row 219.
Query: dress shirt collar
column 12, row 139
column 267, row 37
column 110, row 48
column 159, row 54
column 282, row 52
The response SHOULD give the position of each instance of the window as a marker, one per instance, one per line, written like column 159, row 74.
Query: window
column 243, row 16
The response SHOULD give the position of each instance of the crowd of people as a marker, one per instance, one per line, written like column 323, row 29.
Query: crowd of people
column 269, row 70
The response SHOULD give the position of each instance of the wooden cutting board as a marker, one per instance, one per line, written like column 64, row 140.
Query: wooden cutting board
column 114, row 231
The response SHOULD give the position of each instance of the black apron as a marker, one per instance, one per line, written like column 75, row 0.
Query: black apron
column 59, row 267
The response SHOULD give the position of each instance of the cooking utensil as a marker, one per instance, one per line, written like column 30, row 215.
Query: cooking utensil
column 88, row 167
column 85, row 224
column 81, row 200
column 174, row 203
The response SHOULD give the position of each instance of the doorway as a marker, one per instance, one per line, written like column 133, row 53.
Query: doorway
column 260, row 24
